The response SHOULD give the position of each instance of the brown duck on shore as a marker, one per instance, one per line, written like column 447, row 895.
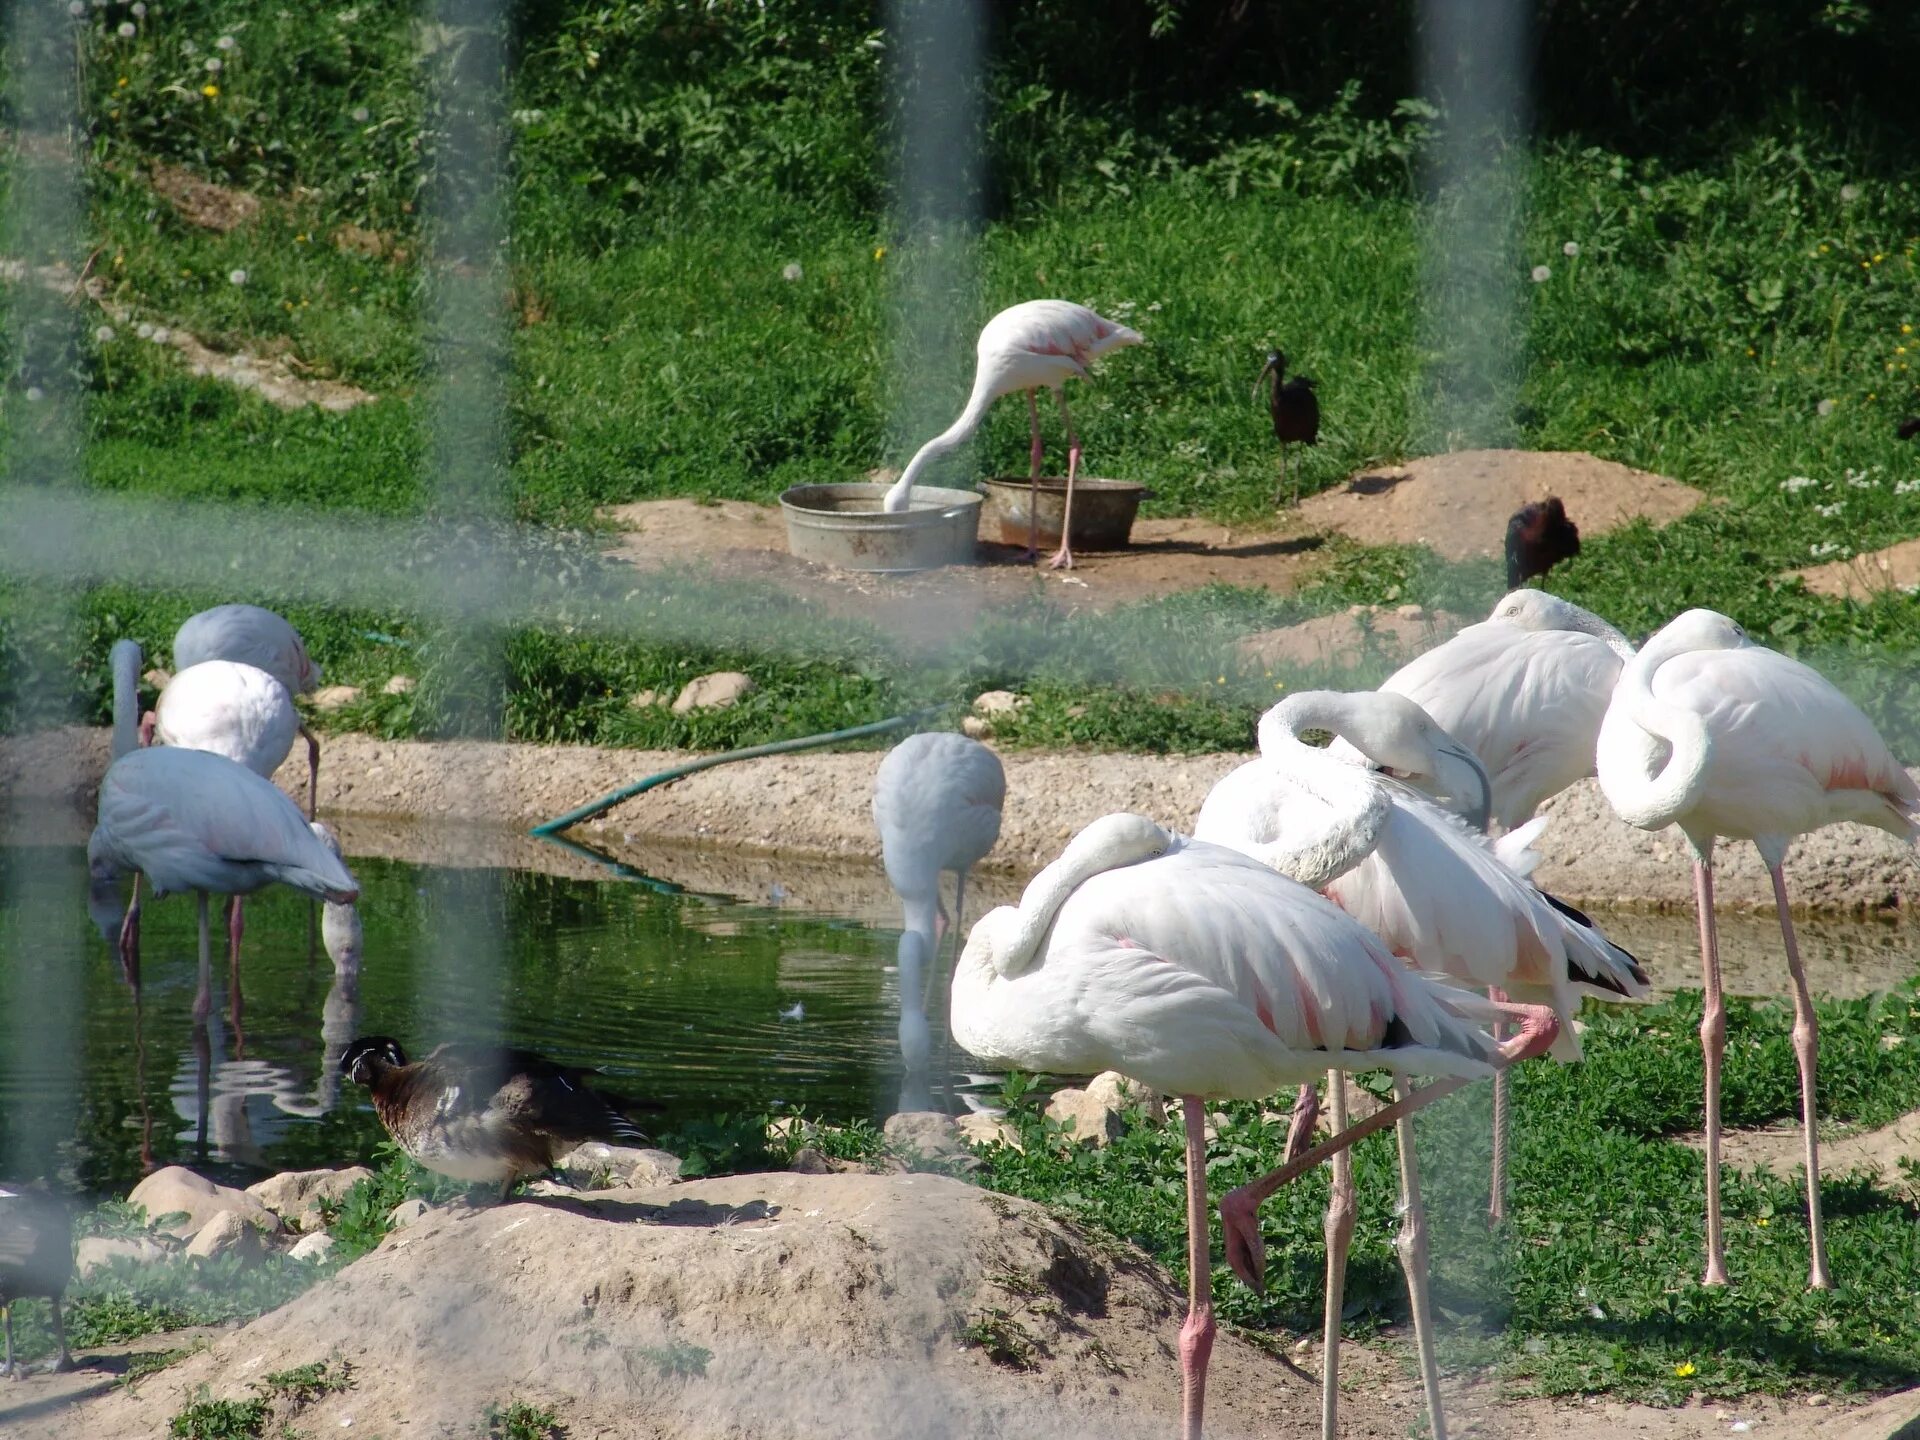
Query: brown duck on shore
column 36, row 1261
column 483, row 1113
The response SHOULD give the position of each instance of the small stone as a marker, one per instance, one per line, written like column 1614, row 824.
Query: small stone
column 924, row 1132
column 597, row 1162
column 713, row 692
column 99, row 1250
column 974, row 728
column 1819, row 1401
column 979, row 1128
column 406, row 1212
column 1410, row 612
column 226, row 1234
column 809, row 1161
column 1076, row 712
column 1000, row 702
column 157, row 678
column 1097, row 1114
column 315, row 1247
column 644, row 700
column 399, row 685
column 332, row 697
column 654, row 1167
column 295, row 1195
column 176, row 1189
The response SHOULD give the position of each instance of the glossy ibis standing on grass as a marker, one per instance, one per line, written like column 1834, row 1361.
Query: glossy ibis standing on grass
column 1908, row 427
column 36, row 1260
column 1539, row 537
column 1296, row 413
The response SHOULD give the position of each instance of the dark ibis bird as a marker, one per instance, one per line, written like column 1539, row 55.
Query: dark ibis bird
column 1909, row 427
column 483, row 1113
column 1539, row 537
column 36, row 1260
column 1296, row 413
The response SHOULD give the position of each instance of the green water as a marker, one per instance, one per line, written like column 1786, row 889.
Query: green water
column 701, row 1005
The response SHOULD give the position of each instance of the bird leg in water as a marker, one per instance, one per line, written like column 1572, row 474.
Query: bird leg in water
column 1340, row 1216
column 1412, row 1246
column 1497, row 1190
column 313, row 771
column 236, row 926
column 1713, row 1045
column 1240, row 1209
column 130, row 937
column 1034, row 458
column 1063, row 557
column 1196, row 1335
column 1806, row 1049
column 203, row 995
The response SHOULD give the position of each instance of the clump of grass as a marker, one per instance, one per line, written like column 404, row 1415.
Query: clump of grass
column 210, row 1419
column 517, row 1420
column 1002, row 1337
column 678, row 1360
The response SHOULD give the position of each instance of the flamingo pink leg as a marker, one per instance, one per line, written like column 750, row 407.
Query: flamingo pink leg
column 236, row 926
column 203, row 994
column 1034, row 457
column 1497, row 1190
column 313, row 772
column 145, row 732
column 1196, row 1336
column 1713, row 1045
column 1412, row 1246
column 1806, row 1046
column 130, row 937
column 1063, row 557
column 1339, row 1230
column 1306, row 1115
column 1240, row 1208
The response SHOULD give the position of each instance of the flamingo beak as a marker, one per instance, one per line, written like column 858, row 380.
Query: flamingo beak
column 1473, row 790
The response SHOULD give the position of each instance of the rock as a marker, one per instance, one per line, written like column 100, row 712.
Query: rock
column 923, row 1132
column 98, row 1250
column 644, row 699
column 654, row 1167
column 1000, row 702
column 406, row 1212
column 315, row 1247
column 713, row 692
column 978, row 1128
column 159, row 679
column 295, row 1195
column 332, row 697
column 1087, row 1118
column 399, row 685
column 974, row 728
column 620, row 1165
column 226, row 1234
column 176, row 1189
column 1112, row 1088
column 809, row 1161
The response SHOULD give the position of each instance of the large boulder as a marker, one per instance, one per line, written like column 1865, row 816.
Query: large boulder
column 176, row 1190
column 97, row 1251
column 226, row 1234
column 295, row 1195
column 924, row 1132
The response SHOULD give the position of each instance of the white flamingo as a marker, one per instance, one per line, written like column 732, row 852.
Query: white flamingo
column 936, row 803
column 1436, row 892
column 194, row 820
column 1723, row 737
column 1524, row 690
column 1039, row 344
column 257, row 637
column 1199, row 972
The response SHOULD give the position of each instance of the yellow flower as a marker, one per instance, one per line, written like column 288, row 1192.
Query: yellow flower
column 1823, row 249
column 1749, row 349
column 121, row 82
column 1219, row 679
column 1906, row 329
column 1684, row 1369
column 1761, row 1222
column 1899, row 349
column 212, row 92
column 1878, row 258
column 879, row 252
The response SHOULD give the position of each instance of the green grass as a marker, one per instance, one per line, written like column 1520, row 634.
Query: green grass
column 1589, row 1285
column 517, row 1420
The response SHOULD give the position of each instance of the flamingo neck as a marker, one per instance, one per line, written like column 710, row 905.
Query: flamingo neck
column 1588, row 623
column 986, row 390
column 921, row 914
column 1107, row 844
column 1644, row 792
column 1355, row 804
column 125, row 662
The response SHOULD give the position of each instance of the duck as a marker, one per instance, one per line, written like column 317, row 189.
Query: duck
column 483, row 1114
column 36, row 1260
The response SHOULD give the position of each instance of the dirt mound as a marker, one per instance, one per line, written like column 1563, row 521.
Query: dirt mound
column 760, row 1305
column 1865, row 577
column 201, row 202
column 1344, row 640
column 1782, row 1149
column 1458, row 505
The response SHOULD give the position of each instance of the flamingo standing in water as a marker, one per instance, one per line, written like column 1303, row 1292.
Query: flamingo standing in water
column 194, row 820
column 1723, row 737
column 257, row 637
column 1034, row 345
column 1199, row 972
column 936, row 803
column 1438, row 894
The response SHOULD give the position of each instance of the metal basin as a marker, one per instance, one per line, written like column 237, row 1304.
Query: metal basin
column 1103, row 511
column 844, row 526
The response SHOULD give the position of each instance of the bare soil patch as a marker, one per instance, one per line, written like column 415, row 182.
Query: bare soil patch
column 1458, row 505
column 1344, row 640
column 1782, row 1148
column 1865, row 577
column 201, row 202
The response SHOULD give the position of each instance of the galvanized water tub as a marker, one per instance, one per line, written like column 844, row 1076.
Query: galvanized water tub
column 844, row 526
column 1103, row 511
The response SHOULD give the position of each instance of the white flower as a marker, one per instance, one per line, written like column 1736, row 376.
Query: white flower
column 140, row 8
column 161, row 335
column 1824, row 409
column 1849, row 194
column 187, row 47
column 1794, row 484
column 1861, row 479
column 1542, row 274
column 35, row 394
column 360, row 114
column 214, row 67
column 1570, row 249
column 1905, row 487
column 237, row 277
column 126, row 30
column 1827, row 512
column 144, row 329
column 76, row 8
column 1823, row 549
column 225, row 42
column 104, row 334
column 791, row 271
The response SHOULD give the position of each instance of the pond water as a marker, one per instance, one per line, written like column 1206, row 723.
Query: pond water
column 700, row 1003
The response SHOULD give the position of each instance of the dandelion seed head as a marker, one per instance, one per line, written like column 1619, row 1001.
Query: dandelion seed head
column 214, row 65
column 35, row 394
column 144, row 329
column 791, row 271
column 140, row 8
column 361, row 114
column 1825, row 408
column 237, row 277
column 1849, row 193
column 104, row 334
column 1570, row 249
column 76, row 8
column 126, row 30
column 1542, row 274
column 161, row 335
column 225, row 42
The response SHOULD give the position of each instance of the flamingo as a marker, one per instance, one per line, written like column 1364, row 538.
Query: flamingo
column 1723, row 737
column 257, row 637
column 1199, row 972
column 936, row 803
column 195, row 820
column 1437, row 893
column 1524, row 689
column 1036, row 344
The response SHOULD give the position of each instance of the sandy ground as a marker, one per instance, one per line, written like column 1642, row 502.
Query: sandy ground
column 1866, row 577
